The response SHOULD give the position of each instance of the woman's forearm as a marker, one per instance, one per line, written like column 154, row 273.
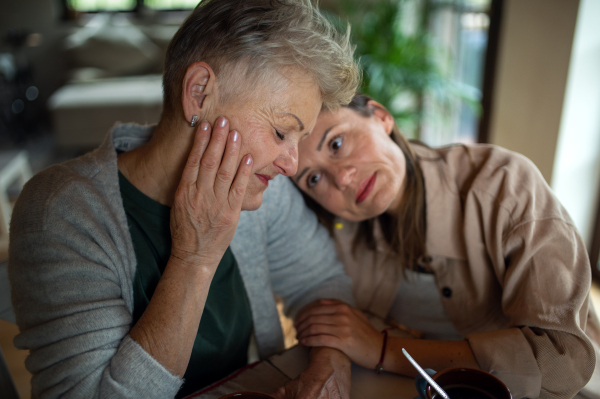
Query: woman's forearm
column 204, row 216
column 436, row 355
column 169, row 325
column 336, row 325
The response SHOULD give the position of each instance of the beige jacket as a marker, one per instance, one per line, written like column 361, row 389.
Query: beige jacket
column 513, row 272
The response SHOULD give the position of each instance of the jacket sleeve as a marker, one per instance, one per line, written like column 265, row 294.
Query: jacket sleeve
column 544, row 271
column 302, row 260
column 72, row 298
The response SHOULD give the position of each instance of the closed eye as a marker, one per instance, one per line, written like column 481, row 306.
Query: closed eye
column 280, row 135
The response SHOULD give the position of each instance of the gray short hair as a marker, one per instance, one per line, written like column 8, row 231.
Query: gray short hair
column 263, row 34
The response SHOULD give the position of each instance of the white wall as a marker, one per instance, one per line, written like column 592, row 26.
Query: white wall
column 576, row 177
column 533, row 62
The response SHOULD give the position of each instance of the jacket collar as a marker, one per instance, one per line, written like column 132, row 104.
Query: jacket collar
column 119, row 138
column 130, row 136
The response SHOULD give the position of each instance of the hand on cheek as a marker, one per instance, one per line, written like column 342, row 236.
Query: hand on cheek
column 209, row 197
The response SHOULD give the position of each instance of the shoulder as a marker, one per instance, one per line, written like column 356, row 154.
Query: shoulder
column 464, row 162
column 484, row 166
column 496, row 162
column 280, row 188
column 503, row 175
column 501, row 180
column 84, row 184
column 275, row 205
column 282, row 212
column 281, row 199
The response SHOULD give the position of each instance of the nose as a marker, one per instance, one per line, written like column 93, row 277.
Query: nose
column 287, row 162
column 344, row 175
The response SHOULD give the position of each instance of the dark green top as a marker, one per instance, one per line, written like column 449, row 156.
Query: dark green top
column 223, row 337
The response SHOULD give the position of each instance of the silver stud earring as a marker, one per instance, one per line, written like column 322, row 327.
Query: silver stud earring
column 194, row 120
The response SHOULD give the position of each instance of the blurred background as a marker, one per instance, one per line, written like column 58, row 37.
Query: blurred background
column 522, row 74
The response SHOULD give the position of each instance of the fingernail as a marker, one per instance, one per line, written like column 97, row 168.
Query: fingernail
column 249, row 160
column 236, row 136
column 222, row 122
column 204, row 125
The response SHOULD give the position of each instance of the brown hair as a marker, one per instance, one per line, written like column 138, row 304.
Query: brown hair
column 253, row 37
column 404, row 233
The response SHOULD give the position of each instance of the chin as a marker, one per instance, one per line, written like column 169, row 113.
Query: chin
column 354, row 218
column 252, row 202
column 371, row 214
column 381, row 204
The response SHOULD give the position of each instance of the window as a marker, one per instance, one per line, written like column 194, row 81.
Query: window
column 129, row 5
column 170, row 4
column 101, row 5
column 460, row 27
column 425, row 61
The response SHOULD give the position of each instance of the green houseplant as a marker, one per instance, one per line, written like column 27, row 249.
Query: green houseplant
column 401, row 65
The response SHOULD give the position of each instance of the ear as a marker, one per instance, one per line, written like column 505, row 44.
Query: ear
column 382, row 114
column 199, row 90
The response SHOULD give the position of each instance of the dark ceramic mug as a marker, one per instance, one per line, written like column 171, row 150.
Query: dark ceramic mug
column 247, row 395
column 463, row 383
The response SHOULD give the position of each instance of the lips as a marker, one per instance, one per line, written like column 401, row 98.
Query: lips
column 365, row 188
column 264, row 178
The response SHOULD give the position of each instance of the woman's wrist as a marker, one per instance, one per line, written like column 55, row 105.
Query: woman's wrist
column 394, row 361
column 333, row 357
column 194, row 263
column 195, row 274
column 169, row 325
column 384, row 339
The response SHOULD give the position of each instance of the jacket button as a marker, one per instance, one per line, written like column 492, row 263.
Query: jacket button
column 447, row 292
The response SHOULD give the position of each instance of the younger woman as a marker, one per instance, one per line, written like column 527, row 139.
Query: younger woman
column 466, row 243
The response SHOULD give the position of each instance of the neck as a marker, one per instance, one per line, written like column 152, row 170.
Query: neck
column 155, row 168
column 394, row 208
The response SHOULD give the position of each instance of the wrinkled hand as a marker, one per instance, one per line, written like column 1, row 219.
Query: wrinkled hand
column 208, row 200
column 337, row 325
column 327, row 377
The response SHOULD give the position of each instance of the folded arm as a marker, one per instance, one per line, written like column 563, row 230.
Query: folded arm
column 545, row 274
column 545, row 293
column 336, row 325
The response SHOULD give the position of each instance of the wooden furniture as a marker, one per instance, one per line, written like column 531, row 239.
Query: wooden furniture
column 267, row 376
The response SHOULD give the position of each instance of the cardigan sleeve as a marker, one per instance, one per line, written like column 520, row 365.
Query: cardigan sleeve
column 70, row 288
column 302, row 260
column 545, row 289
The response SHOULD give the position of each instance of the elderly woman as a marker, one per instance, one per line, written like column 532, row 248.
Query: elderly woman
column 124, row 281
column 465, row 243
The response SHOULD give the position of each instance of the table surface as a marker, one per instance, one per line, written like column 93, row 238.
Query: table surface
column 269, row 375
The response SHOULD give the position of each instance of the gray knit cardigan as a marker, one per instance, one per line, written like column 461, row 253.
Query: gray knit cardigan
column 72, row 265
